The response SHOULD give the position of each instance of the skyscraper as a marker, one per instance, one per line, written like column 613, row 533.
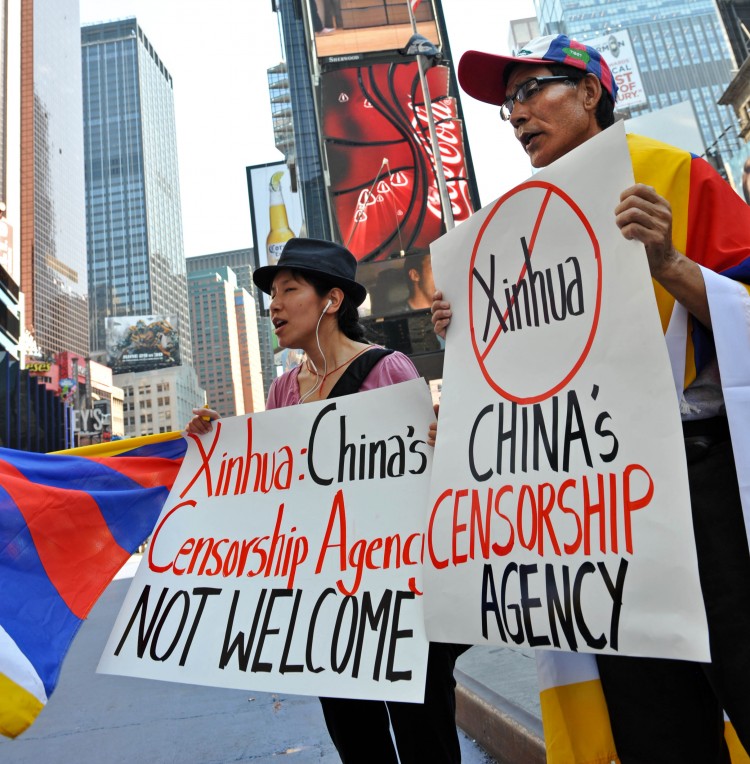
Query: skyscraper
column 53, row 254
column 227, row 352
column 10, row 177
column 136, row 259
column 240, row 261
column 680, row 47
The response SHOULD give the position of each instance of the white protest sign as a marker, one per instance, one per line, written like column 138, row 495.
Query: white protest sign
column 288, row 555
column 559, row 513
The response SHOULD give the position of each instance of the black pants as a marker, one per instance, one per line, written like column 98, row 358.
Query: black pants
column 671, row 711
column 332, row 13
column 424, row 732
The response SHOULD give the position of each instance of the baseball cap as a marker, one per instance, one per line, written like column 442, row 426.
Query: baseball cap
column 484, row 75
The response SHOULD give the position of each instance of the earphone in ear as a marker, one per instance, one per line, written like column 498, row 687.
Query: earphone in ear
column 328, row 305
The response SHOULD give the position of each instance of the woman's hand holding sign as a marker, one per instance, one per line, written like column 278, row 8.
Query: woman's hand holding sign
column 201, row 423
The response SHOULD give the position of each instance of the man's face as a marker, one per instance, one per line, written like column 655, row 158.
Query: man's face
column 556, row 119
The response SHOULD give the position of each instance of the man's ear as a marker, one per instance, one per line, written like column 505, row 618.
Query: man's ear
column 592, row 91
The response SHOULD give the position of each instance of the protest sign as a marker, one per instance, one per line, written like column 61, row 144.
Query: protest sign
column 559, row 508
column 288, row 555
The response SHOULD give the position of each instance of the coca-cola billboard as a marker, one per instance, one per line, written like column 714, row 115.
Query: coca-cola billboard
column 383, row 187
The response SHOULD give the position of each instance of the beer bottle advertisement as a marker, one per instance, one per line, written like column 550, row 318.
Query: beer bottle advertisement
column 279, row 232
column 275, row 212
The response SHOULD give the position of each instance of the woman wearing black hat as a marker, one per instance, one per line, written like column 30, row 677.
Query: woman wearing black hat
column 314, row 301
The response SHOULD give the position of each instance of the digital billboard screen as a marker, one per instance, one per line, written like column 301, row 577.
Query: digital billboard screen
column 346, row 30
column 383, row 187
column 398, row 285
column 142, row 343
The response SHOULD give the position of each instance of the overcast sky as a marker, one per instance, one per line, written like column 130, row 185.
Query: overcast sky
column 218, row 54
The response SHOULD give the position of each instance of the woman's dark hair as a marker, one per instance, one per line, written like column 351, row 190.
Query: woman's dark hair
column 605, row 109
column 347, row 315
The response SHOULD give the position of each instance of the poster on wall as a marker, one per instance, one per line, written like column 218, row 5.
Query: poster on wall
column 383, row 188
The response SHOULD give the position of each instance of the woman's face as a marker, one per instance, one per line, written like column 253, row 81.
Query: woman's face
column 295, row 309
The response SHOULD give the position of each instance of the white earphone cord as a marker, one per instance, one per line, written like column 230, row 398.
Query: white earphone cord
column 319, row 379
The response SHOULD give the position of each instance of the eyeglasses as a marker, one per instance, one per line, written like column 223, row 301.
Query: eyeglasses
column 527, row 91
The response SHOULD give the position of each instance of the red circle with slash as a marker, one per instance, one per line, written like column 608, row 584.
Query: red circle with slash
column 482, row 354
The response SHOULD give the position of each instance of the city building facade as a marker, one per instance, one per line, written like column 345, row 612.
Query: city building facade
column 52, row 215
column 736, row 17
column 11, row 318
column 136, row 260
column 226, row 347
column 134, row 241
column 159, row 400
column 241, row 262
column 681, row 49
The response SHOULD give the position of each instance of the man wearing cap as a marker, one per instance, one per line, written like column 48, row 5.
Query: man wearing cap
column 557, row 93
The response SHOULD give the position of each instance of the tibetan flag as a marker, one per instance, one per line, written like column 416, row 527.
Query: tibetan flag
column 711, row 226
column 574, row 712
column 68, row 523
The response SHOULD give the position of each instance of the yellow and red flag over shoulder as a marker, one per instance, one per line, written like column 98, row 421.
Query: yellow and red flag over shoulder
column 68, row 523
column 574, row 712
column 711, row 226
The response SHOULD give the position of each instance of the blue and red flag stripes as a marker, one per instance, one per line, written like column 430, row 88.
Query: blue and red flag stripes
column 68, row 522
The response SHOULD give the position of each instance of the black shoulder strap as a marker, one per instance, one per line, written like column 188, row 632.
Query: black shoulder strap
column 351, row 380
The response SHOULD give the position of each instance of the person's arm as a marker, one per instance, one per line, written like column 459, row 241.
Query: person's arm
column 645, row 216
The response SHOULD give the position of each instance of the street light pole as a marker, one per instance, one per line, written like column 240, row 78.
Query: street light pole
column 416, row 44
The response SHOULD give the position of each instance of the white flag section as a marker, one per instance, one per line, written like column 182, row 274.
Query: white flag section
column 559, row 513
column 288, row 555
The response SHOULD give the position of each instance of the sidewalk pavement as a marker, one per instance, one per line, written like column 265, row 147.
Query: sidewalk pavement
column 497, row 703
column 107, row 719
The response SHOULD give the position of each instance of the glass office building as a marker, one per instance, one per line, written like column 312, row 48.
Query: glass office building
column 308, row 160
column 136, row 261
column 53, row 245
column 681, row 49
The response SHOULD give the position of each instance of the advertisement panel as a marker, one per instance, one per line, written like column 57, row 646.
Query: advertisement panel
column 346, row 31
column 398, row 285
column 384, row 194
column 275, row 210
column 141, row 343
column 617, row 51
